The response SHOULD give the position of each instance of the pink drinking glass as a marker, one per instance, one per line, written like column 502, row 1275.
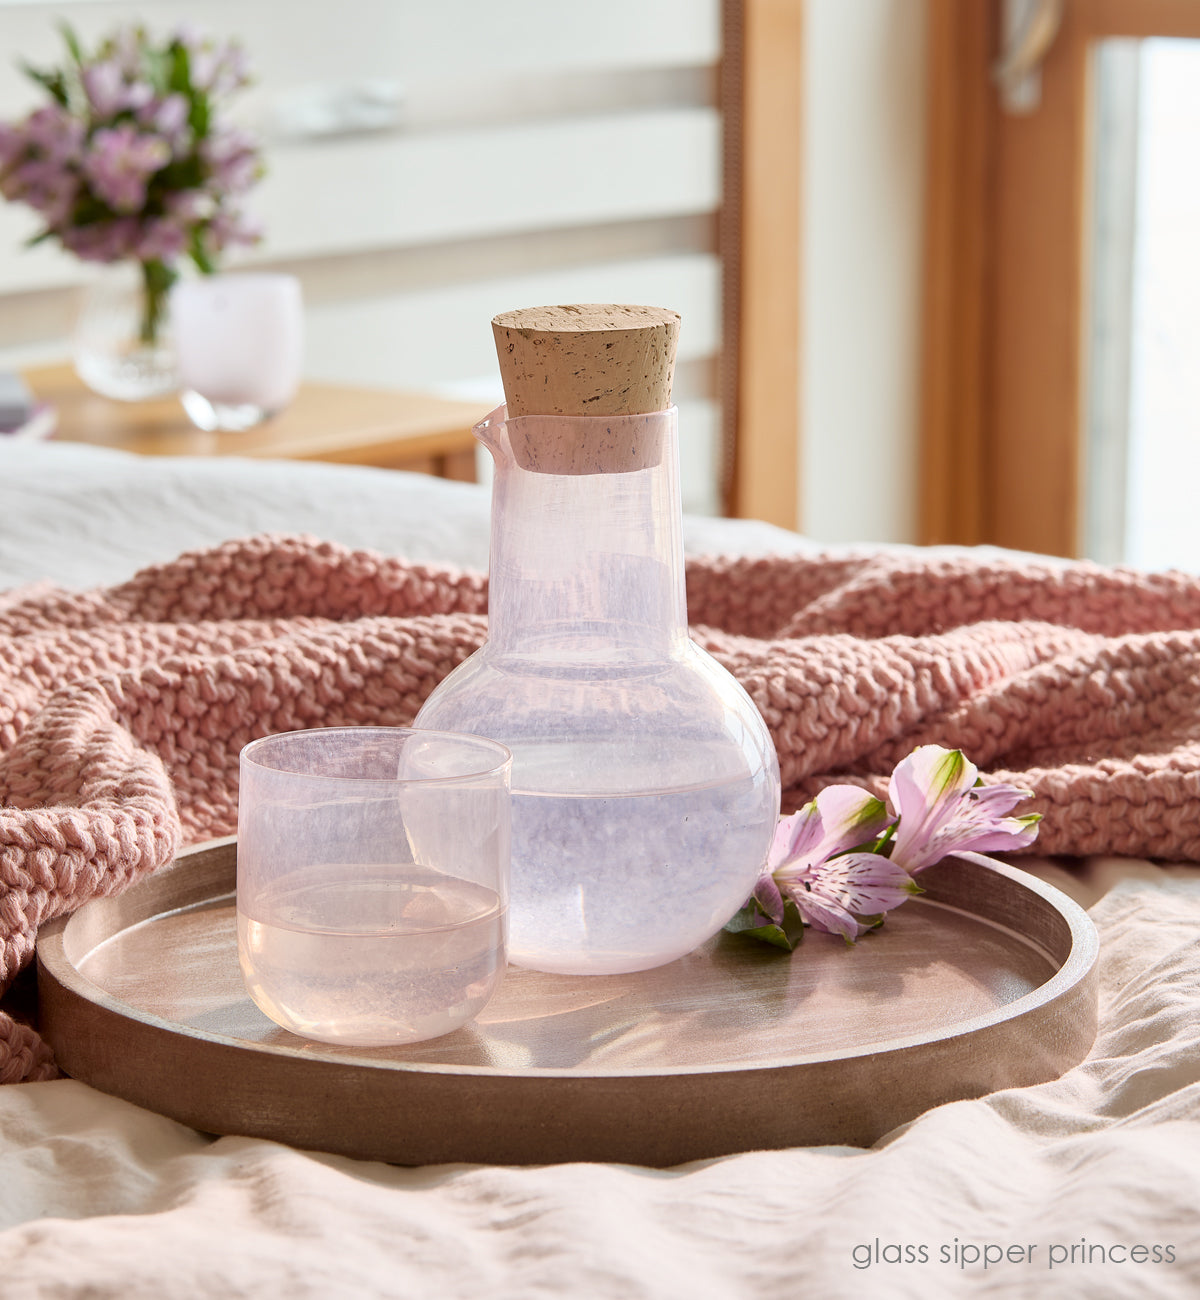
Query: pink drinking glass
column 372, row 880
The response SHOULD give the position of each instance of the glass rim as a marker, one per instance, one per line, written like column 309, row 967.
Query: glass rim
column 501, row 751
column 220, row 279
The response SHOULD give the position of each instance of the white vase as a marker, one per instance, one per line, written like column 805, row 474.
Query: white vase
column 111, row 352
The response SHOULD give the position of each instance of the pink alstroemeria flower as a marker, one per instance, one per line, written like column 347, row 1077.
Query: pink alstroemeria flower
column 943, row 810
column 121, row 161
column 105, row 86
column 808, row 863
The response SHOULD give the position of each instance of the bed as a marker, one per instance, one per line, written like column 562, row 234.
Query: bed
column 1085, row 1185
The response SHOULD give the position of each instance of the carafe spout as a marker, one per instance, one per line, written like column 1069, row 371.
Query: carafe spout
column 492, row 431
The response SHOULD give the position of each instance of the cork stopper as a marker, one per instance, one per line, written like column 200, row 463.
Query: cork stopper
column 587, row 359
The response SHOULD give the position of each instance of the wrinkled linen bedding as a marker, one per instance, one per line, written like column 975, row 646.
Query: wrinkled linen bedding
column 99, row 1198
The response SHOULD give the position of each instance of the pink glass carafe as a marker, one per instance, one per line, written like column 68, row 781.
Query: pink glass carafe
column 645, row 787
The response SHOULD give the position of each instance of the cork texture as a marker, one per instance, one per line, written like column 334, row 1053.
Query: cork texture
column 591, row 359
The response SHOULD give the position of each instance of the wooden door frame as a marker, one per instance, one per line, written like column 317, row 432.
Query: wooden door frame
column 759, row 240
column 1005, row 295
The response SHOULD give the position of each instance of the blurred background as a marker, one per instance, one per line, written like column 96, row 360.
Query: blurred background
column 936, row 259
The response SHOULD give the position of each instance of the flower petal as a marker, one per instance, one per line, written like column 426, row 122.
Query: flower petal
column 850, row 817
column 863, row 883
column 992, row 835
column 826, row 915
column 796, row 837
column 841, row 817
column 769, row 899
column 925, row 792
column 996, row 800
column 839, row 895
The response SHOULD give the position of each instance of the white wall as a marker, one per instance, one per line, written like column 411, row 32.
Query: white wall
column 864, row 102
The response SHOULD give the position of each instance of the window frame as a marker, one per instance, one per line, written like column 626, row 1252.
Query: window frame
column 1004, row 347
column 759, row 238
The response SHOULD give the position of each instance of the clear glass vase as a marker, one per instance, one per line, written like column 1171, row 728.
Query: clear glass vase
column 645, row 784
column 122, row 345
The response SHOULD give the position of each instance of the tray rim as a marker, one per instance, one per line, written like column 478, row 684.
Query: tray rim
column 1080, row 961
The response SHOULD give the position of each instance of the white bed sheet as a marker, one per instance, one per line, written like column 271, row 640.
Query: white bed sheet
column 98, row 1198
column 87, row 516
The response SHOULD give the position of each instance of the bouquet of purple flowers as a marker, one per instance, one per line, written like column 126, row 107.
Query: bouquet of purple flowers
column 129, row 161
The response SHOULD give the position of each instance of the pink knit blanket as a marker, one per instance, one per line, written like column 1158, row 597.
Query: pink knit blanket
column 122, row 711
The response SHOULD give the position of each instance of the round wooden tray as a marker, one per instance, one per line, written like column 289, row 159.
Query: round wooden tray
column 986, row 981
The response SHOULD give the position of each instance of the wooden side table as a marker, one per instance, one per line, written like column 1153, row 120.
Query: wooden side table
column 356, row 426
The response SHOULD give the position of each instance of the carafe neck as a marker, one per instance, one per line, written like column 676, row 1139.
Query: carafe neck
column 586, row 562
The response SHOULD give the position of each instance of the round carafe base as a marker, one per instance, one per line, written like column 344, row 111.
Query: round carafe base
column 636, row 838
column 578, row 964
column 609, row 883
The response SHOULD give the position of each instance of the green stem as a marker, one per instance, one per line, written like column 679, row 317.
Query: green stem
column 157, row 279
column 882, row 842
